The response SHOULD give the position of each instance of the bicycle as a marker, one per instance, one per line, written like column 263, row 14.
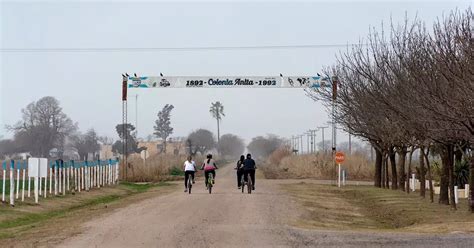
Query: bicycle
column 248, row 183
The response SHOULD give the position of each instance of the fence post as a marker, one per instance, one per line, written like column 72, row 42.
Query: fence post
column 18, row 165
column 37, row 176
column 29, row 179
column 23, row 182
column 51, row 164
column 456, row 200
column 12, row 183
column 4, row 167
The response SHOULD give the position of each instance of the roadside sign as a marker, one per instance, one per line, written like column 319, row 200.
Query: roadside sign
column 339, row 157
column 144, row 154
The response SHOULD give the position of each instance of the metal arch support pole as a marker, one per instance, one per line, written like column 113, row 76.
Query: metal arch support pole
column 124, row 122
column 334, row 95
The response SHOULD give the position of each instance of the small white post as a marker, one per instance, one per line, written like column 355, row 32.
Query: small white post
column 81, row 179
column 18, row 165
column 466, row 191
column 51, row 179
column 60, row 177
column 339, row 175
column 29, row 183
column 413, row 182
column 87, row 176
column 23, row 186
column 36, row 181
column 344, row 177
column 12, row 183
column 64, row 179
column 4, row 165
column 97, row 174
column 68, row 175
column 56, row 165
column 40, row 183
column 456, row 194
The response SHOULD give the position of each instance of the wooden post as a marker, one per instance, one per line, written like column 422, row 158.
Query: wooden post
column 23, row 186
column 51, row 164
column 18, row 165
column 36, row 182
column 12, row 183
column 4, row 165
column 56, row 166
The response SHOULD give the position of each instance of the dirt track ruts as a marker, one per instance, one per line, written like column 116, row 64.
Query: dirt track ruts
column 228, row 218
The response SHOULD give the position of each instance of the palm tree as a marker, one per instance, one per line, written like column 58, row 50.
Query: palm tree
column 217, row 111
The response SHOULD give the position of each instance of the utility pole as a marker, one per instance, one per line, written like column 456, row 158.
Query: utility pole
column 350, row 145
column 322, row 132
column 312, row 132
column 307, row 143
column 136, row 116
column 301, row 140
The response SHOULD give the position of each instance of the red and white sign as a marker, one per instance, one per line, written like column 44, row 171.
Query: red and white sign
column 339, row 157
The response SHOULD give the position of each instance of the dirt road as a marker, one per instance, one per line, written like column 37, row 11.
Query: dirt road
column 228, row 218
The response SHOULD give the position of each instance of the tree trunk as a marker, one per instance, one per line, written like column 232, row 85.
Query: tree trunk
column 471, row 184
column 410, row 157
column 444, row 182
column 218, row 132
column 430, row 177
column 422, row 173
column 164, row 146
column 378, row 169
column 451, row 177
column 394, row 169
column 402, row 154
column 383, row 172
column 387, row 178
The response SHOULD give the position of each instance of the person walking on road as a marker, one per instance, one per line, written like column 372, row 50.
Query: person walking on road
column 240, row 170
column 189, row 170
column 249, row 169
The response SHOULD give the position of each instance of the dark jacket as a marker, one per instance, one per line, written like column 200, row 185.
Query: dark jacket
column 249, row 164
column 240, row 165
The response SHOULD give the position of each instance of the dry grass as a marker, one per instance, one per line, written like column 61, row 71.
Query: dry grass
column 157, row 168
column 366, row 207
column 281, row 164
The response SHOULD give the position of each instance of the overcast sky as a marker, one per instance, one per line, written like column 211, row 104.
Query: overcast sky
column 87, row 84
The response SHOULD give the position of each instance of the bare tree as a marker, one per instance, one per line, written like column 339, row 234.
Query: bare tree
column 231, row 145
column 201, row 141
column 44, row 126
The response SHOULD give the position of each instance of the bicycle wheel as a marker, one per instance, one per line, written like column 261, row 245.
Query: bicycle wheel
column 249, row 186
column 190, row 185
column 209, row 183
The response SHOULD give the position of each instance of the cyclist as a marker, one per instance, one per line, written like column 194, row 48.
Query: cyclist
column 240, row 171
column 209, row 167
column 189, row 169
column 249, row 169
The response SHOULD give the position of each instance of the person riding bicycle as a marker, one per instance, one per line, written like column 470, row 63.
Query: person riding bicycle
column 249, row 169
column 240, row 170
column 189, row 170
column 209, row 167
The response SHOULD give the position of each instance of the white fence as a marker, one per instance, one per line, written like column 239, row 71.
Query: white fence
column 64, row 176
column 458, row 193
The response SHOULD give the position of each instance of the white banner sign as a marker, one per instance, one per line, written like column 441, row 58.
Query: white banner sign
column 229, row 82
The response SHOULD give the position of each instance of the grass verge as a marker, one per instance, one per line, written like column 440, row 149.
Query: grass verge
column 369, row 208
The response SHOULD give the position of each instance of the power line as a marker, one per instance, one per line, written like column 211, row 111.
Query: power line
column 160, row 49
